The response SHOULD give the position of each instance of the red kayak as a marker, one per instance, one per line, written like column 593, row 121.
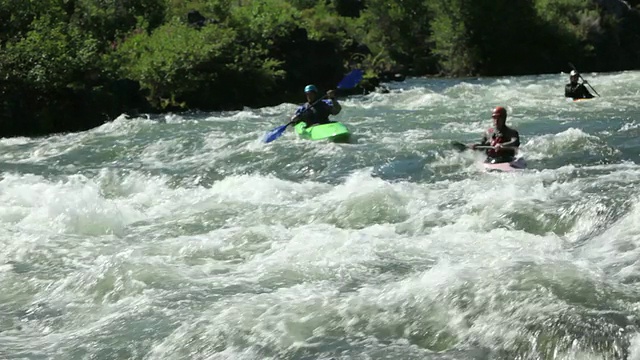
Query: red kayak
column 518, row 164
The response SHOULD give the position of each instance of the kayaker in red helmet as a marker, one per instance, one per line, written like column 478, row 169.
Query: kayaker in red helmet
column 504, row 139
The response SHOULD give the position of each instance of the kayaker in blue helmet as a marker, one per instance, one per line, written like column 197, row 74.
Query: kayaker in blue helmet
column 317, row 111
column 499, row 137
column 575, row 90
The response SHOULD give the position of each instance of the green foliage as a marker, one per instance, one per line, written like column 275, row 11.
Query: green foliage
column 175, row 57
column 571, row 20
column 52, row 55
column 218, row 10
column 349, row 8
column 16, row 16
column 322, row 23
column 263, row 20
column 106, row 20
column 567, row 25
column 399, row 32
column 304, row 4
column 563, row 12
column 451, row 38
column 176, row 60
column 504, row 37
column 497, row 47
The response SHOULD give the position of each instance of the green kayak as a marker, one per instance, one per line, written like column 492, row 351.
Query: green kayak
column 333, row 131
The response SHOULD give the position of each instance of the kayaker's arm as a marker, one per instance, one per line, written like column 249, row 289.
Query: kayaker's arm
column 336, row 108
column 299, row 115
column 483, row 142
column 514, row 140
column 578, row 92
column 294, row 120
column 584, row 92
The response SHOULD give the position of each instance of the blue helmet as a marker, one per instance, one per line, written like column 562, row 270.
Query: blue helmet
column 310, row 88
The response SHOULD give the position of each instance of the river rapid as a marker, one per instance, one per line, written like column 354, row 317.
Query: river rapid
column 186, row 237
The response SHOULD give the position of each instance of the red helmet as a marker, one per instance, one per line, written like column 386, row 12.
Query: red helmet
column 499, row 111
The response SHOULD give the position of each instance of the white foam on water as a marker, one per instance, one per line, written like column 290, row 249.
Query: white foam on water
column 74, row 206
column 634, row 351
column 215, row 245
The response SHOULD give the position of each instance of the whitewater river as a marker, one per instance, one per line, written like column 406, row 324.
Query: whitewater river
column 186, row 237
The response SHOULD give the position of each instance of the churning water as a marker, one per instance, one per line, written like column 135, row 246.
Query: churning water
column 186, row 237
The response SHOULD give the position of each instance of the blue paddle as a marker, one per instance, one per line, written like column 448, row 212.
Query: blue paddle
column 348, row 82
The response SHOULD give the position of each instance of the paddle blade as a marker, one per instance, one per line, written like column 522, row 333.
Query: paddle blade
column 351, row 79
column 459, row 146
column 275, row 133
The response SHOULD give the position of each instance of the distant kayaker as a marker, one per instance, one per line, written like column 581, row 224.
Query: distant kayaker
column 575, row 90
column 499, row 137
column 317, row 111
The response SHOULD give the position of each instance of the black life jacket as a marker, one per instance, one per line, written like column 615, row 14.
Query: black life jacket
column 318, row 114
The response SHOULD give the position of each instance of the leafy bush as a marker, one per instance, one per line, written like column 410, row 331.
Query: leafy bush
column 107, row 20
column 52, row 55
column 176, row 60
